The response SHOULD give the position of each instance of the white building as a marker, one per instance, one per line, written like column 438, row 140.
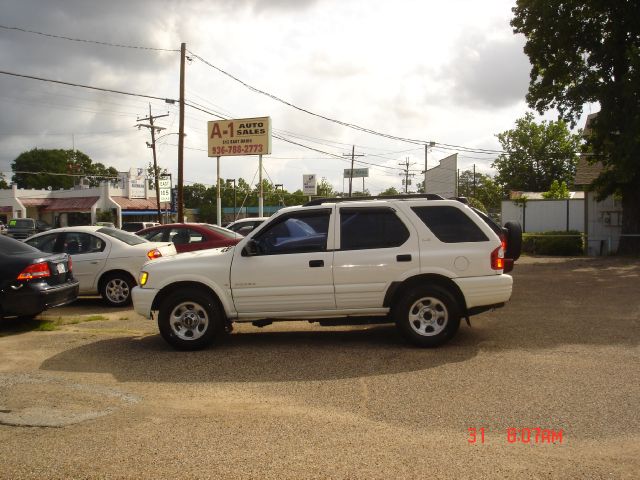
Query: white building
column 130, row 199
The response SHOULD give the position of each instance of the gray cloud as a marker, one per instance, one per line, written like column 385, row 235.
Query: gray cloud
column 489, row 72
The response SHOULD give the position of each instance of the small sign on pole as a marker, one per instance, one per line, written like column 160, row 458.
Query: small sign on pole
column 309, row 185
column 357, row 172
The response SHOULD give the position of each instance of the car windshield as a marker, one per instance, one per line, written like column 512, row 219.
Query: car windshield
column 222, row 231
column 126, row 237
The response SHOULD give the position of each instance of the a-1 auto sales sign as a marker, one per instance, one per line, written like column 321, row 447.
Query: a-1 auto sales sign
column 242, row 136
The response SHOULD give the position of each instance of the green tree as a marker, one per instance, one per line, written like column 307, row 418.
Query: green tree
column 390, row 191
column 3, row 182
column 557, row 191
column 194, row 195
column 583, row 53
column 325, row 189
column 536, row 154
column 482, row 188
column 57, row 169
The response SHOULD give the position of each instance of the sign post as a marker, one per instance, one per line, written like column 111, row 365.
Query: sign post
column 238, row 137
column 309, row 185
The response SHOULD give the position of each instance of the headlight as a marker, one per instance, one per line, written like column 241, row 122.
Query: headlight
column 144, row 276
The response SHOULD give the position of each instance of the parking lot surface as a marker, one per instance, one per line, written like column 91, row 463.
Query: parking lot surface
column 546, row 387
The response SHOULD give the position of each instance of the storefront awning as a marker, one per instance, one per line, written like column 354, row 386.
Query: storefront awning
column 74, row 204
column 141, row 204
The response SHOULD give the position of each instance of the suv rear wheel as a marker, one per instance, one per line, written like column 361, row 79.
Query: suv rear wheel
column 190, row 320
column 427, row 316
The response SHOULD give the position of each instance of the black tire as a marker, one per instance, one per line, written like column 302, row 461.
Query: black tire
column 115, row 289
column 427, row 316
column 190, row 319
column 514, row 240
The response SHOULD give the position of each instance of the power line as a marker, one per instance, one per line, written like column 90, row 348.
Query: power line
column 107, row 44
column 304, row 110
column 167, row 100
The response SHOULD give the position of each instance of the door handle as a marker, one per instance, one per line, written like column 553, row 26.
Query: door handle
column 316, row 263
column 403, row 258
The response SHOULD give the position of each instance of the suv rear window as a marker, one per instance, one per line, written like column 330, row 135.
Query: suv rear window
column 365, row 228
column 450, row 224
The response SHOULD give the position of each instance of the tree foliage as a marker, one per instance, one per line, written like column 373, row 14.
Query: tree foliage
column 480, row 187
column 558, row 191
column 589, row 52
column 58, row 169
column 3, row 182
column 536, row 155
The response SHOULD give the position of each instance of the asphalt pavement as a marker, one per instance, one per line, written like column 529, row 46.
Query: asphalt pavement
column 546, row 387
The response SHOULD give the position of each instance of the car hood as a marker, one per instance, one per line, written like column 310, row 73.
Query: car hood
column 196, row 257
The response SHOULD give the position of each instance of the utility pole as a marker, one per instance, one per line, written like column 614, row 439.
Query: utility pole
column 353, row 155
column 426, row 150
column 406, row 174
column 183, row 48
column 474, row 180
column 152, row 146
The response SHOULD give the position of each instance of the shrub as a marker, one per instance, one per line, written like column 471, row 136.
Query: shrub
column 553, row 243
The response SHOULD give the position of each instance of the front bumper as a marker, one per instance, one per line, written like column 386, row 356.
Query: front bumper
column 35, row 298
column 143, row 299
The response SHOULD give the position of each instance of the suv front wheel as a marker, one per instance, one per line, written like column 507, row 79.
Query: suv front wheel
column 427, row 316
column 190, row 320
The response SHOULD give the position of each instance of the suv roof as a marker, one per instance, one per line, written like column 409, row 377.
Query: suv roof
column 415, row 196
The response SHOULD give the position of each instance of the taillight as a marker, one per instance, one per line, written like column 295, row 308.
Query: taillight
column 153, row 254
column 497, row 258
column 69, row 265
column 503, row 241
column 37, row 270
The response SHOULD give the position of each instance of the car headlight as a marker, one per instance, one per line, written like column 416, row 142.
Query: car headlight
column 144, row 276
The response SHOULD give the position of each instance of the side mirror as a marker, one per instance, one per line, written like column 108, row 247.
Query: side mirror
column 250, row 249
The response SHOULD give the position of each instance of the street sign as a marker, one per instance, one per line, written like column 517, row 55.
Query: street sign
column 165, row 194
column 357, row 173
column 243, row 136
column 309, row 185
column 164, row 183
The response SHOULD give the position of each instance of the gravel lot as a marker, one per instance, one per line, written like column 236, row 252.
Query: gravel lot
column 108, row 398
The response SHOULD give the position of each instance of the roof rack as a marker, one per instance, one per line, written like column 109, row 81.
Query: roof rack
column 320, row 201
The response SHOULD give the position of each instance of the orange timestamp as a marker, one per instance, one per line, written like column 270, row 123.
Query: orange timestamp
column 534, row 435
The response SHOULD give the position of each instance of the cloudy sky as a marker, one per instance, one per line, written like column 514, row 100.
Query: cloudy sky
column 449, row 72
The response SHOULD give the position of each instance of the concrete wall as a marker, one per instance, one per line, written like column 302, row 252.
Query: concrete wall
column 545, row 215
column 604, row 225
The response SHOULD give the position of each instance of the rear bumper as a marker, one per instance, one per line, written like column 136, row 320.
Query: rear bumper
column 143, row 299
column 35, row 298
column 487, row 290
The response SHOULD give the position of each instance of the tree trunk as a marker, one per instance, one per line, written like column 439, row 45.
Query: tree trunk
column 630, row 245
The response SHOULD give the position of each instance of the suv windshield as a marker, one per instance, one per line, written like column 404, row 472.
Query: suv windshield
column 126, row 237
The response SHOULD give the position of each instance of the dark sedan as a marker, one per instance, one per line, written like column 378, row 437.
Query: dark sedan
column 188, row 237
column 32, row 281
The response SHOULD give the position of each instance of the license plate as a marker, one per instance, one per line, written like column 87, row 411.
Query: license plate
column 60, row 268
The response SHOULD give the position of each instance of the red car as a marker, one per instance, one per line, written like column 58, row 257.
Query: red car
column 188, row 237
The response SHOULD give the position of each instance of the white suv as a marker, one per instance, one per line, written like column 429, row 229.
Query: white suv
column 423, row 263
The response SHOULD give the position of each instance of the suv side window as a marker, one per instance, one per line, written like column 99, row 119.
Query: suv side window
column 450, row 224
column 299, row 232
column 373, row 227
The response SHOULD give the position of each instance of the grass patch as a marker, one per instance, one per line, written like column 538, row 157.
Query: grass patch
column 46, row 326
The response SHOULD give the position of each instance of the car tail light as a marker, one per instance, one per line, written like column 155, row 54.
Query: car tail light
column 153, row 254
column 37, row 270
column 69, row 264
column 497, row 258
